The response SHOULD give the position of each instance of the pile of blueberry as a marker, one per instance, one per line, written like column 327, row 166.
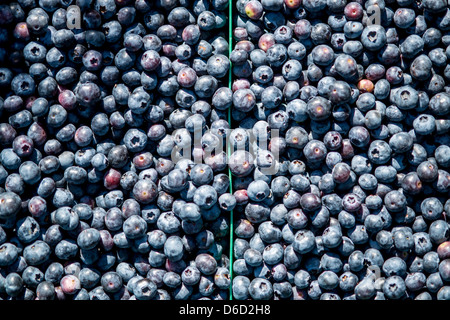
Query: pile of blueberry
column 354, row 99
column 96, row 102
column 120, row 135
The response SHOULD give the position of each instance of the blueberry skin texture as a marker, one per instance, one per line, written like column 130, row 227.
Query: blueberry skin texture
column 37, row 253
column 12, row 204
column 260, row 289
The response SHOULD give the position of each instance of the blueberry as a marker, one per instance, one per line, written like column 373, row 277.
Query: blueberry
column 37, row 253
column 303, row 242
column 328, row 280
column 12, row 203
column 431, row 208
column 260, row 289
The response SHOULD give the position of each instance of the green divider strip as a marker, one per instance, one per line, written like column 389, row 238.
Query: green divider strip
column 230, row 79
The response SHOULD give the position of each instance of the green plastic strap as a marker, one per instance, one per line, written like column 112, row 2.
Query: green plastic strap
column 230, row 79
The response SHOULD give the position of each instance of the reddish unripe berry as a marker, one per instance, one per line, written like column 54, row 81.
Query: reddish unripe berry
column 443, row 250
column 266, row 41
column 240, row 84
column 187, row 77
column 67, row 99
column 365, row 85
column 112, row 179
column 21, row 31
column 347, row 151
column 254, row 9
column 37, row 206
column 302, row 29
column 353, row 11
column 240, row 33
column 70, row 284
column 293, row 4
column 241, row 196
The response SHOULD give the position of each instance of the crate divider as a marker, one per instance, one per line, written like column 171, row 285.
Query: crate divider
column 230, row 82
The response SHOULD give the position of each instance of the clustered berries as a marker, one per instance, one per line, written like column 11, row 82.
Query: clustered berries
column 92, row 203
column 124, row 148
column 357, row 115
